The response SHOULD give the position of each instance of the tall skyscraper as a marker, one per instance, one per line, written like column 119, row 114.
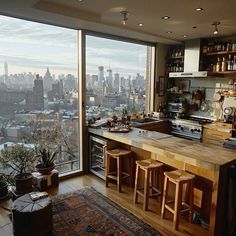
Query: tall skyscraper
column 48, row 80
column 116, row 84
column 5, row 72
column 100, row 74
column 109, row 77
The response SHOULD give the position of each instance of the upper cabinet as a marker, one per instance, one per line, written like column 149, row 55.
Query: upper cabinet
column 175, row 59
column 218, row 56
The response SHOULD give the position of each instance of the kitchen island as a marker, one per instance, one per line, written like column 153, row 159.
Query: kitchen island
column 208, row 162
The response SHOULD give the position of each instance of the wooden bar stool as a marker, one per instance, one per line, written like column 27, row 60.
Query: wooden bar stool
column 118, row 175
column 179, row 178
column 149, row 167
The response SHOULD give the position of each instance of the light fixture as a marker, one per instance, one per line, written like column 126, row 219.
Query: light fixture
column 80, row 0
column 125, row 16
column 198, row 9
column 185, row 35
column 215, row 32
column 165, row 17
column 140, row 24
column 169, row 32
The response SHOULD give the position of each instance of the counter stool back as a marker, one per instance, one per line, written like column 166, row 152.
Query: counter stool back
column 178, row 178
column 149, row 190
column 118, row 174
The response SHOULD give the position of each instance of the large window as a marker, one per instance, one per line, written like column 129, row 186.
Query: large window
column 118, row 77
column 38, row 88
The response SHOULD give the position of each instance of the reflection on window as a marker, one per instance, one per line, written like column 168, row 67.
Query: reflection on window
column 117, row 78
column 38, row 88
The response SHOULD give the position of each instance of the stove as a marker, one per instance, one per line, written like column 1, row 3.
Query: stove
column 189, row 128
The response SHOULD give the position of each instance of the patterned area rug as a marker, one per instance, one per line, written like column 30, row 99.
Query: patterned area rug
column 87, row 212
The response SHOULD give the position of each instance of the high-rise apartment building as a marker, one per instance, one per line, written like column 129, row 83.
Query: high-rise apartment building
column 100, row 73
column 34, row 99
column 5, row 72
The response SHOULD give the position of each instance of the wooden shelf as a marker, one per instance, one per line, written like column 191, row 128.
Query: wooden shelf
column 178, row 93
column 221, row 73
column 227, row 95
column 174, row 58
column 219, row 53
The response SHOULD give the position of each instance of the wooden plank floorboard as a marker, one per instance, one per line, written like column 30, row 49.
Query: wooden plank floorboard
column 125, row 199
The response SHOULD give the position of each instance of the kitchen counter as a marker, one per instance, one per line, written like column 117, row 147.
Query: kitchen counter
column 209, row 163
column 219, row 126
column 207, row 156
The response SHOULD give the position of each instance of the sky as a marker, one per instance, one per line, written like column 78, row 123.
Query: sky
column 32, row 47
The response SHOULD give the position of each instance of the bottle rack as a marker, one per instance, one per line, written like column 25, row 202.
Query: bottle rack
column 219, row 57
column 175, row 59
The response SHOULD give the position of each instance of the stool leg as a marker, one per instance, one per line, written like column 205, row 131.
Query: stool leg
column 107, row 161
column 136, row 184
column 191, row 201
column 164, row 198
column 131, row 181
column 178, row 203
column 119, row 174
column 146, row 190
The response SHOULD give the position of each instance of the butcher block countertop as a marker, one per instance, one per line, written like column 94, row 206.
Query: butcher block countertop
column 194, row 153
column 219, row 126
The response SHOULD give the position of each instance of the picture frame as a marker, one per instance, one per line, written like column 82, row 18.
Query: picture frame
column 160, row 87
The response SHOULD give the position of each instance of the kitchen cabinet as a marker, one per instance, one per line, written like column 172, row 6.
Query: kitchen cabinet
column 216, row 133
column 218, row 57
column 175, row 59
column 161, row 126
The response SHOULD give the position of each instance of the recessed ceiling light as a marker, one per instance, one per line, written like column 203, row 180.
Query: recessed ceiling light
column 169, row 32
column 165, row 17
column 80, row 0
column 198, row 9
column 185, row 35
column 194, row 27
column 140, row 24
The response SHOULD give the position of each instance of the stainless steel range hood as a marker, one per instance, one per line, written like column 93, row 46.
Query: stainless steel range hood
column 191, row 61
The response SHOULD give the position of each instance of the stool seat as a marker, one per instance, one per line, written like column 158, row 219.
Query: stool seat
column 179, row 176
column 118, row 152
column 149, row 164
column 118, row 175
column 149, row 167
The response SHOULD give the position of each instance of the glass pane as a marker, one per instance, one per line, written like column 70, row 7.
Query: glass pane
column 38, row 90
column 117, row 78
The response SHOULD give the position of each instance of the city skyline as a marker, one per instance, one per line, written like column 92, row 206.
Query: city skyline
column 26, row 50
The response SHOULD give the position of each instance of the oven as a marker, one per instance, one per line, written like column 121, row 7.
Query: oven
column 186, row 129
column 97, row 151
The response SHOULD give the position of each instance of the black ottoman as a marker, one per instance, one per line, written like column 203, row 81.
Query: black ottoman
column 32, row 218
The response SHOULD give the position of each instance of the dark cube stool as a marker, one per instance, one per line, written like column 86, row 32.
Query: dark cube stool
column 32, row 218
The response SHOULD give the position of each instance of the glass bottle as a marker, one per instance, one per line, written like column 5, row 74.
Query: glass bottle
column 223, row 64
column 218, row 65
column 229, row 63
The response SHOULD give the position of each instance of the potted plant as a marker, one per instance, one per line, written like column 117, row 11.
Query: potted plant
column 18, row 162
column 3, row 186
column 46, row 160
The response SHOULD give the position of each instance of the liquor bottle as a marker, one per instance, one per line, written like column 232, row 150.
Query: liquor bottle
column 223, row 64
column 218, row 65
column 234, row 63
column 229, row 64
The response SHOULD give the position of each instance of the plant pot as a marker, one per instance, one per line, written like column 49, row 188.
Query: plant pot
column 24, row 183
column 44, row 170
column 3, row 189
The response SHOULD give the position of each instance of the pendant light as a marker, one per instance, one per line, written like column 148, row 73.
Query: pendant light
column 125, row 16
column 215, row 32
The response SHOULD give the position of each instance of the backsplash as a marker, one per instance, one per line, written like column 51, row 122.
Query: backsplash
column 210, row 85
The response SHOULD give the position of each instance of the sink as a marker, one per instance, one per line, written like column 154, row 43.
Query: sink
column 145, row 120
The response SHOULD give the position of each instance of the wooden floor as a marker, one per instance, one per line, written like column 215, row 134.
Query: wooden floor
column 125, row 199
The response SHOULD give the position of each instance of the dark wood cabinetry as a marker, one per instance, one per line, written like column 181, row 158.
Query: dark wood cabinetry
column 218, row 57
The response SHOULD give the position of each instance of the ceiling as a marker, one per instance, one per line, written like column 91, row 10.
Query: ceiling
column 104, row 16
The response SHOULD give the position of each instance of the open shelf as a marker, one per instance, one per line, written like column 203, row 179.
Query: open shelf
column 219, row 53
